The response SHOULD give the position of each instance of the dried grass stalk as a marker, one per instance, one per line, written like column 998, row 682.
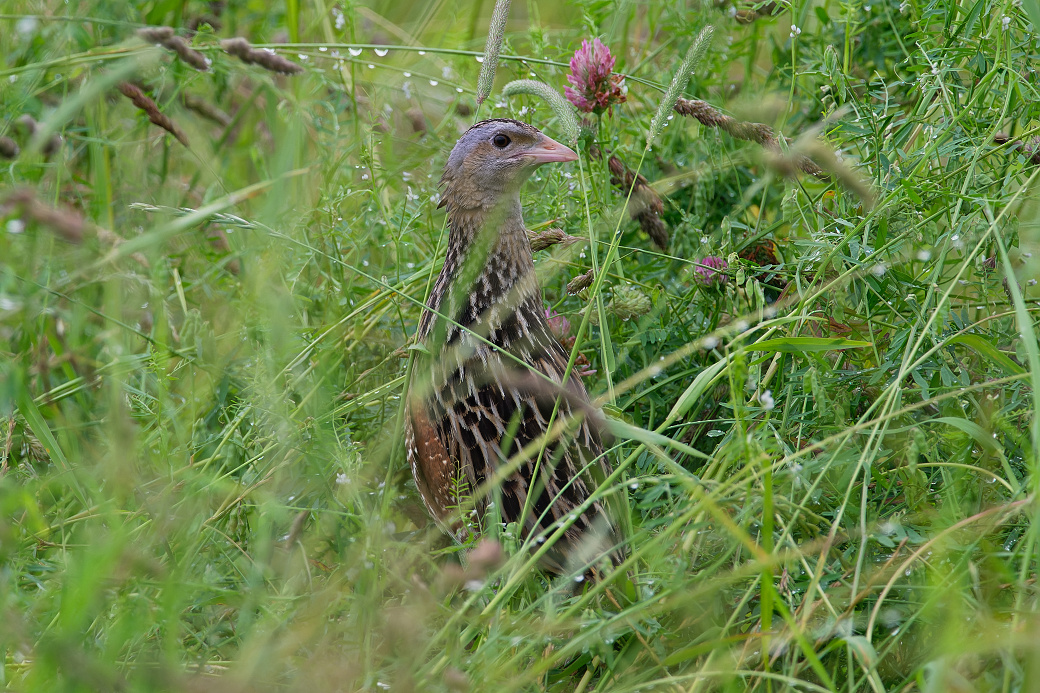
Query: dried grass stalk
column 549, row 238
column 760, row 134
column 492, row 48
column 138, row 97
column 818, row 152
column 267, row 59
column 645, row 205
column 68, row 224
column 787, row 164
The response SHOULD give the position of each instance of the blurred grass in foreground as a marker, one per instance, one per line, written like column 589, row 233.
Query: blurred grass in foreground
column 831, row 458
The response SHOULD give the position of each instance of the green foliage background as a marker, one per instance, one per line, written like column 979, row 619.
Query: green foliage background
column 203, row 484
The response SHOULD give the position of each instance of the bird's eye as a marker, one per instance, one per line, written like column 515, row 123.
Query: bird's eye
column 500, row 141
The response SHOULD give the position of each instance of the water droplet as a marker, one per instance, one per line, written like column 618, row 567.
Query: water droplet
column 434, row 82
column 354, row 51
column 480, row 58
column 407, row 74
column 381, row 52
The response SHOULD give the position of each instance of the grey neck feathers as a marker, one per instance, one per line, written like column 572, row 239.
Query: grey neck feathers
column 488, row 269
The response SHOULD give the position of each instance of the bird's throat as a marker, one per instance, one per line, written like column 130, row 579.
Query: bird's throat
column 488, row 271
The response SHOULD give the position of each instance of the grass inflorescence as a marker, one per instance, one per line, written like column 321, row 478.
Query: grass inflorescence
column 808, row 312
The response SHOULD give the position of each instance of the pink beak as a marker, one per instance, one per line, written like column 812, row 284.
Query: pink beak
column 549, row 151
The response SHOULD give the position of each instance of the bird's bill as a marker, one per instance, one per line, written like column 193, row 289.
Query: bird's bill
column 549, row 151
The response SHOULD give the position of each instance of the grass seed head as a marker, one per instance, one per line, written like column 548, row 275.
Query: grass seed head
column 561, row 107
column 653, row 226
column 581, row 282
column 157, row 117
column 267, row 59
column 682, row 77
column 166, row 37
column 486, row 558
column 156, row 34
column 549, row 238
column 645, row 205
column 187, row 53
column 205, row 109
column 30, row 127
column 8, row 148
column 492, row 48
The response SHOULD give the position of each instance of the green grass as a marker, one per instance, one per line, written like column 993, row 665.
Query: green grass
column 203, row 484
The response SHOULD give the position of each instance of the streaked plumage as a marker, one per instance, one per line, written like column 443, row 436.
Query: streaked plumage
column 469, row 396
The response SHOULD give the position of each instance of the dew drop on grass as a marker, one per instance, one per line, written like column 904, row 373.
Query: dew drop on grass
column 422, row 52
column 480, row 58
column 381, row 52
column 434, row 82
column 407, row 74
column 354, row 51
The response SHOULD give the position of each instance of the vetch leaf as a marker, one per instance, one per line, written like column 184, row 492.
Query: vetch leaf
column 984, row 348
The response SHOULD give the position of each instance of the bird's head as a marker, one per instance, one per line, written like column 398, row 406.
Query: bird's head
column 493, row 159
